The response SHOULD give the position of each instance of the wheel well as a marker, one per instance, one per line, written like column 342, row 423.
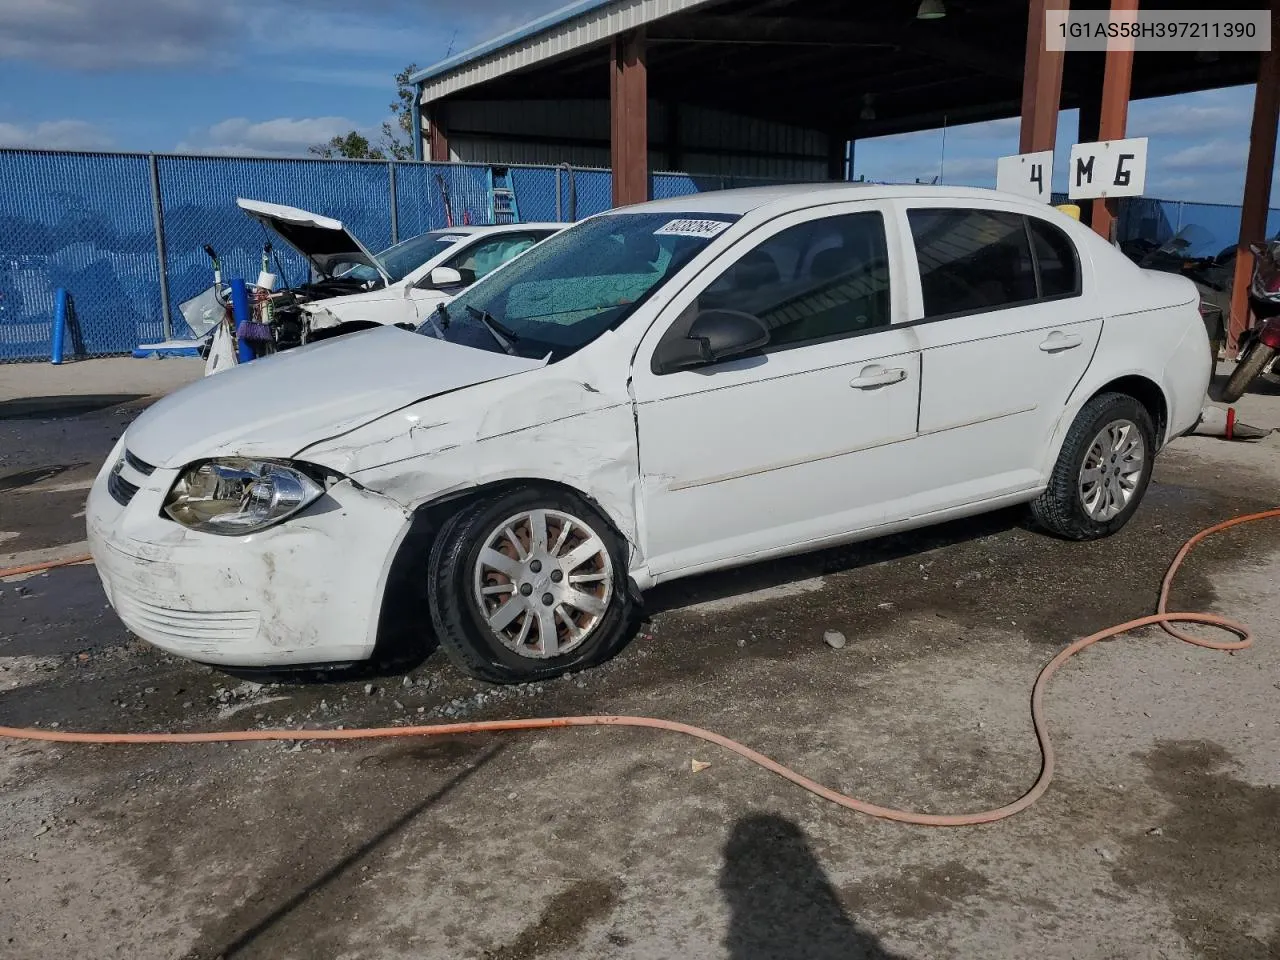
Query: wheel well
column 404, row 615
column 436, row 512
column 1146, row 392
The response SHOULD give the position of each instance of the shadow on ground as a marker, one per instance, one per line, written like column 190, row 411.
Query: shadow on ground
column 39, row 408
column 780, row 572
column 781, row 904
column 253, row 927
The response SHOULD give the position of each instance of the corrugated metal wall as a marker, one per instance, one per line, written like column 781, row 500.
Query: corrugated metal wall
column 577, row 132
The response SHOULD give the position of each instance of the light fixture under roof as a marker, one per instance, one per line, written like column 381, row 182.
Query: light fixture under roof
column 931, row 10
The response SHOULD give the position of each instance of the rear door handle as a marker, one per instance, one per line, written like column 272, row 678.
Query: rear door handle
column 876, row 376
column 1059, row 341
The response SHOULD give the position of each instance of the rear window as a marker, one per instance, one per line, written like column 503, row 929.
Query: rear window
column 1057, row 259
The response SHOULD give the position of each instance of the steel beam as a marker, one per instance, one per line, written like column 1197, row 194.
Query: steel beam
column 1117, row 78
column 1257, row 180
column 629, row 119
column 1041, row 82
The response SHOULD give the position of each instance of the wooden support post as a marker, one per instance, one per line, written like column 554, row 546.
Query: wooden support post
column 438, row 134
column 1041, row 82
column 1257, row 181
column 1113, row 118
column 837, row 157
column 629, row 106
column 675, row 146
column 1090, row 119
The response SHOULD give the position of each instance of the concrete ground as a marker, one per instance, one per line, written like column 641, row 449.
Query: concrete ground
column 1157, row 839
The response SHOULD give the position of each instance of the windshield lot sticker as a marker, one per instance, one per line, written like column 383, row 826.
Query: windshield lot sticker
column 451, row 239
column 693, row 228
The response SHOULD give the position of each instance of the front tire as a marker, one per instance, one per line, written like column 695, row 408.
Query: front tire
column 529, row 585
column 1102, row 472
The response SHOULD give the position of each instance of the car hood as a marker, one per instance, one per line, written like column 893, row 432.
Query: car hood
column 279, row 405
column 323, row 241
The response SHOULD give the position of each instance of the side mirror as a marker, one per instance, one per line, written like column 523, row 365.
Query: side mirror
column 445, row 277
column 714, row 336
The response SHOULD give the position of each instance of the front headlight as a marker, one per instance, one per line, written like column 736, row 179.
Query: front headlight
column 234, row 497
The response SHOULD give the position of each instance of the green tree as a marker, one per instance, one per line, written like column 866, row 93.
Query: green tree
column 397, row 133
column 352, row 146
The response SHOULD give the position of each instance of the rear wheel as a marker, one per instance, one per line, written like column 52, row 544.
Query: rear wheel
column 1102, row 471
column 529, row 585
column 1250, row 367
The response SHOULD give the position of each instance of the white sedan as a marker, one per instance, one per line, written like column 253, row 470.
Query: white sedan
column 656, row 392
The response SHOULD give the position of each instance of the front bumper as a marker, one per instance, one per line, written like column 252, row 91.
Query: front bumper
column 307, row 591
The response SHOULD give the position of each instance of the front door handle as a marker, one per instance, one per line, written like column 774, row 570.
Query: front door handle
column 1059, row 341
column 876, row 376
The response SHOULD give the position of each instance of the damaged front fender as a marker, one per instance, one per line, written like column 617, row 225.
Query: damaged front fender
column 570, row 428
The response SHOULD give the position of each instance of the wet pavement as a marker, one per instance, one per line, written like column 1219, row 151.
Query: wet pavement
column 1157, row 839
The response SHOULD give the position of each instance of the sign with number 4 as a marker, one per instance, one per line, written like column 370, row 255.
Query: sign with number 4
column 1110, row 168
column 1026, row 174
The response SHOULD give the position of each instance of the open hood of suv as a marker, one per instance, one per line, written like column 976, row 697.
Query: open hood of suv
column 323, row 241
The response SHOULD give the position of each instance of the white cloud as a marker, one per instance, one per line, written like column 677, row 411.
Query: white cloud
column 976, row 171
column 282, row 136
column 990, row 130
column 101, row 35
column 1215, row 154
column 197, row 34
column 55, row 135
column 1170, row 186
column 368, row 79
column 1197, row 114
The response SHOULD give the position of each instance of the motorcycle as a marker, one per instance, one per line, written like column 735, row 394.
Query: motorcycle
column 1259, row 345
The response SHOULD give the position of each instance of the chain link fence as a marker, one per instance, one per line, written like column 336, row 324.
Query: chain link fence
column 124, row 234
column 83, row 222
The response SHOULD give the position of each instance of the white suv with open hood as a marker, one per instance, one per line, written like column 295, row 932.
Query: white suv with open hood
column 656, row 392
column 353, row 287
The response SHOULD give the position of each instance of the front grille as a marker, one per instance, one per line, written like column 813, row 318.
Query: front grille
column 121, row 490
column 143, row 468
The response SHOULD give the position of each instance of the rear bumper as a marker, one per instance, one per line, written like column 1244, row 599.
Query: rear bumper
column 306, row 592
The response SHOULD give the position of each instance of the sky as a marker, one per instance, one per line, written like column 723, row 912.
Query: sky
column 277, row 76
column 1197, row 147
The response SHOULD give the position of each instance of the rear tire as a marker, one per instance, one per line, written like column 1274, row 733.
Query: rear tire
column 1250, row 367
column 529, row 585
column 1102, row 472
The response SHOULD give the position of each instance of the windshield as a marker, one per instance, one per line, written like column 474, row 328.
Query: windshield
column 407, row 256
column 571, row 288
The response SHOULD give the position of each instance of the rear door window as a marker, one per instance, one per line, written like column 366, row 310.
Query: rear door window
column 972, row 260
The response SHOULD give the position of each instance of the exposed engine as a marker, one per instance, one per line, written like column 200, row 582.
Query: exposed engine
column 280, row 310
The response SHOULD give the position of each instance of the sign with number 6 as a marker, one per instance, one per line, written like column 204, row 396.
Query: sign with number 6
column 1026, row 174
column 1109, row 168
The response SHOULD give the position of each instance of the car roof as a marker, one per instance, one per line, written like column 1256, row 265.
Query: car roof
column 742, row 201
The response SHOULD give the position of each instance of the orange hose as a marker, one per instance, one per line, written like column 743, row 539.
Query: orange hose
column 1161, row 617
column 47, row 565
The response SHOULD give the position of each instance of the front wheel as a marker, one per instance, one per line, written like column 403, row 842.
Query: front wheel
column 1102, row 471
column 1250, row 367
column 529, row 585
